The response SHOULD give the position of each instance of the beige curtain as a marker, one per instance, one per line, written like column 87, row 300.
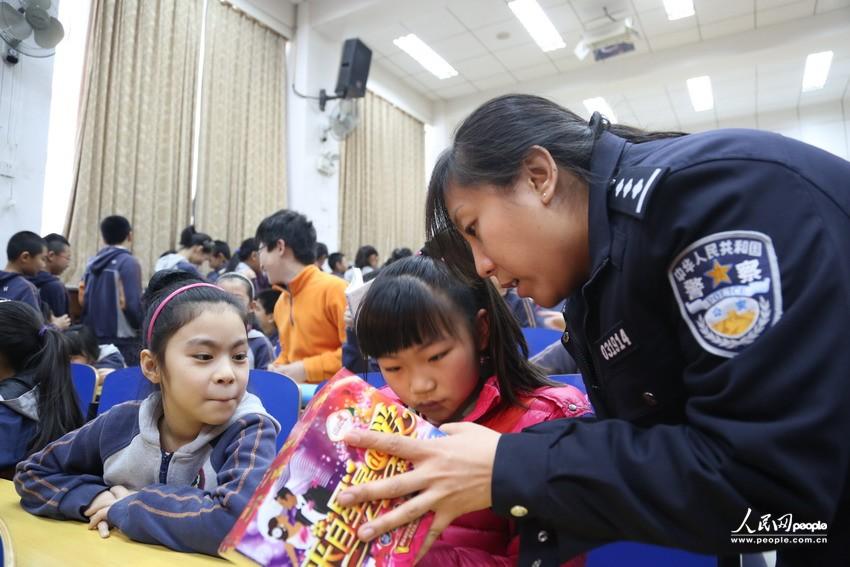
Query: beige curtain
column 135, row 140
column 382, row 180
column 241, row 159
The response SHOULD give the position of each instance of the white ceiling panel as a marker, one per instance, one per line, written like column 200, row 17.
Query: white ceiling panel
column 476, row 14
column 655, row 23
column 521, row 56
column 668, row 40
column 535, row 72
column 829, row 5
column 512, row 29
column 461, row 89
column 499, row 80
column 729, row 26
column 709, row 11
column 479, row 67
column 434, row 26
column 406, row 63
column 459, row 47
column 785, row 13
column 380, row 39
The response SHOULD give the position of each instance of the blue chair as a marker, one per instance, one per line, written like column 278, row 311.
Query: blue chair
column 644, row 555
column 539, row 338
column 374, row 379
column 84, row 378
column 570, row 380
column 123, row 385
column 281, row 397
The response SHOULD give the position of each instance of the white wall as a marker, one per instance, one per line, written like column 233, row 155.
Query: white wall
column 313, row 63
column 25, row 92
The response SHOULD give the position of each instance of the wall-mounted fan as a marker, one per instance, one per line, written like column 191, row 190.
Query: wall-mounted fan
column 344, row 119
column 29, row 27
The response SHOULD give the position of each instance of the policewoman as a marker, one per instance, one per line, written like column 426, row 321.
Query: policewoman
column 707, row 279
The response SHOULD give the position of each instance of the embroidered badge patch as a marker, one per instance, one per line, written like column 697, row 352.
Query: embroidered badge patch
column 728, row 289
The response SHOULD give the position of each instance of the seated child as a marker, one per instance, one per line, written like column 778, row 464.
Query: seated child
column 451, row 351
column 264, row 316
column 85, row 350
column 33, row 359
column 178, row 467
column 262, row 351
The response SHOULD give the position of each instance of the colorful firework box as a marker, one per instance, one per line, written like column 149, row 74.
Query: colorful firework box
column 293, row 517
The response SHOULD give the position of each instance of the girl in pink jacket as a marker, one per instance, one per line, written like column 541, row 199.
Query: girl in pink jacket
column 451, row 350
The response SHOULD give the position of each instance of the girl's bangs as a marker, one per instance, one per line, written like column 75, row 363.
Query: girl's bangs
column 401, row 312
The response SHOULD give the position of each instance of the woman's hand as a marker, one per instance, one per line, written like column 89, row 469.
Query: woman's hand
column 452, row 474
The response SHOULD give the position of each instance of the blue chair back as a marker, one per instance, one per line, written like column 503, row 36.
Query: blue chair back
column 570, row 380
column 643, row 555
column 539, row 338
column 281, row 397
column 374, row 379
column 123, row 385
column 84, row 378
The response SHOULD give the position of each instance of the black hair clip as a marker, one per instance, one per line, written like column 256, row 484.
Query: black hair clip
column 598, row 124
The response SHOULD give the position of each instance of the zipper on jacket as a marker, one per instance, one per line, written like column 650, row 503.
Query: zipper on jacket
column 163, row 466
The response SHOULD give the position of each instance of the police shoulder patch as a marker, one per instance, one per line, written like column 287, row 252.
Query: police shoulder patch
column 728, row 290
column 630, row 189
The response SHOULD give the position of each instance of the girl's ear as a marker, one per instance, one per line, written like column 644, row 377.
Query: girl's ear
column 150, row 368
column 482, row 329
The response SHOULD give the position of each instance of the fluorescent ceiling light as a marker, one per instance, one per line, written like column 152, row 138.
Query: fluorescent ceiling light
column 678, row 9
column 538, row 24
column 425, row 56
column 598, row 104
column 817, row 70
column 700, row 90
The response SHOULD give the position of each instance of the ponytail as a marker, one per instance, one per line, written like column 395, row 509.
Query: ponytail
column 29, row 346
column 58, row 407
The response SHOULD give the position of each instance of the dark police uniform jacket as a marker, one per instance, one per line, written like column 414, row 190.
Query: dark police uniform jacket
column 714, row 338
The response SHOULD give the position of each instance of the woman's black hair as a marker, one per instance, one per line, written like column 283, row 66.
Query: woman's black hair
column 490, row 145
column 82, row 342
column 182, row 308
column 27, row 345
column 418, row 300
column 361, row 259
column 186, row 236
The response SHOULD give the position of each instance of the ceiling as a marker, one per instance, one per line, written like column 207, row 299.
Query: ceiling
column 754, row 51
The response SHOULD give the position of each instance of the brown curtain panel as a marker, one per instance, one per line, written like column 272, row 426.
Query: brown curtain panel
column 135, row 140
column 382, row 180
column 242, row 153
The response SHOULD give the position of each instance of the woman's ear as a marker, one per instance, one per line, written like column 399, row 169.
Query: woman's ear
column 542, row 173
column 150, row 367
column 482, row 329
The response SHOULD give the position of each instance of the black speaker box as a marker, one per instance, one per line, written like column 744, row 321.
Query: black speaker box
column 353, row 69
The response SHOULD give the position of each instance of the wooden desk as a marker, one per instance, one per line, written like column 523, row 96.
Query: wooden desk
column 42, row 542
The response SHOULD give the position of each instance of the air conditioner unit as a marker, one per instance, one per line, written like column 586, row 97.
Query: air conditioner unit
column 608, row 40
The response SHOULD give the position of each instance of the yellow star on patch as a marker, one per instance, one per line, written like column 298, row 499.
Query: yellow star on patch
column 719, row 273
